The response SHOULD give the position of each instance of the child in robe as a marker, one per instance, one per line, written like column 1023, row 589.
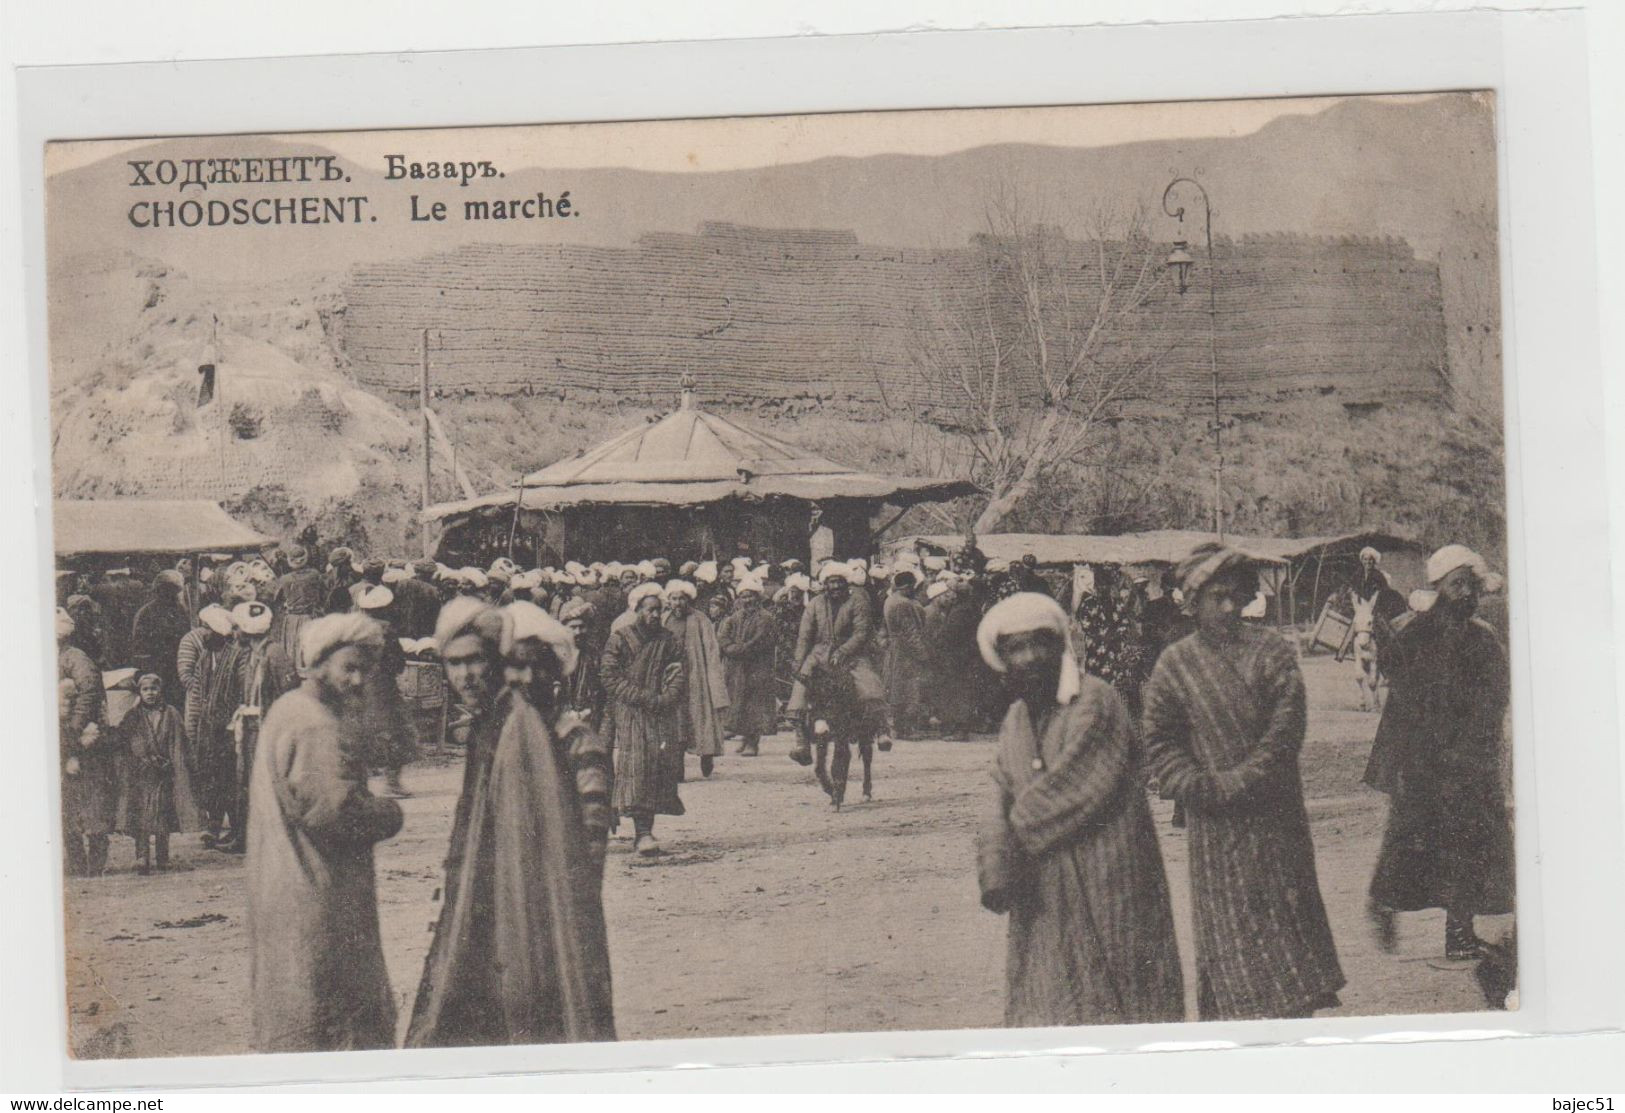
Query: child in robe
column 157, row 799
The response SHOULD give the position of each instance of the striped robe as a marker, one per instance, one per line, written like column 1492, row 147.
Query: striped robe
column 1223, row 727
column 1070, row 842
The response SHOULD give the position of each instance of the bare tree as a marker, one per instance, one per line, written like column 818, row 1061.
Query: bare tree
column 1030, row 345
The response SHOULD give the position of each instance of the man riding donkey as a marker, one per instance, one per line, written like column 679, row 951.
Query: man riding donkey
column 839, row 685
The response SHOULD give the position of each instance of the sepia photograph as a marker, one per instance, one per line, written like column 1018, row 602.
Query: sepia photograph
column 784, row 575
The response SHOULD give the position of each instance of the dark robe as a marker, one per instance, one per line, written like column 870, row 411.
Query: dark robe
column 746, row 640
column 643, row 676
column 520, row 952
column 417, row 606
column 316, row 960
column 90, row 795
column 906, row 654
column 156, row 638
column 1438, row 754
column 295, row 599
column 1070, row 842
column 1224, row 724
column 157, row 785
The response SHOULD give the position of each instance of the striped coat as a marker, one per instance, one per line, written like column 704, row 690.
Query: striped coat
column 1223, row 728
column 1070, row 844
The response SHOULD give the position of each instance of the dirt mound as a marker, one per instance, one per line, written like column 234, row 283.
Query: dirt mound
column 284, row 438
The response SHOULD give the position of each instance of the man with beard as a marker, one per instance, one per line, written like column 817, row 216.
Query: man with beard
column 1224, row 721
column 706, row 686
column 520, row 953
column 268, row 673
column 1438, row 754
column 837, row 632
column 1069, row 850
column 317, row 975
column 209, row 665
column 906, row 654
column 746, row 641
column 158, row 629
column 85, row 745
column 296, row 597
column 585, row 692
column 643, row 678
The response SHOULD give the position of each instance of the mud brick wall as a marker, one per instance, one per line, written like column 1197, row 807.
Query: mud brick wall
column 762, row 315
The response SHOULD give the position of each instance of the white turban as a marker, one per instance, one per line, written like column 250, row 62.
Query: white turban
column 937, row 588
column 706, row 573
column 1452, row 557
column 1023, row 612
column 1368, row 551
column 640, row 593
column 527, row 620
column 462, row 615
column 647, row 569
column 217, row 618
column 750, row 584
column 473, row 577
column 504, row 565
column 834, row 570
column 800, row 581
column 375, row 598
column 323, row 637
column 395, row 575
column 252, row 618
column 681, row 587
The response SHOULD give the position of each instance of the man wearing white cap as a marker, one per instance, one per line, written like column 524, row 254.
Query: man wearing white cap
column 387, row 722
column 1068, row 849
column 268, row 673
column 89, row 779
column 316, row 968
column 643, row 676
column 706, row 692
column 209, row 665
column 1439, row 754
column 1224, row 722
column 746, row 640
column 837, row 631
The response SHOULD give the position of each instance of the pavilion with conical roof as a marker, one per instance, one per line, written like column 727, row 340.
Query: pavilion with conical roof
column 692, row 485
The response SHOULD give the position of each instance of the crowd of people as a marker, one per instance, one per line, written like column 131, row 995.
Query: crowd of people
column 262, row 693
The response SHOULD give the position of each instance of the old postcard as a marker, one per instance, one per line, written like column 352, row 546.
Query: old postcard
column 783, row 575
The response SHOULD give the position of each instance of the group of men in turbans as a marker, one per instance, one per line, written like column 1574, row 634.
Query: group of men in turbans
column 1069, row 852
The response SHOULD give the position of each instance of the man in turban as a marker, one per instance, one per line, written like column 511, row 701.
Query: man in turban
column 746, row 640
column 342, row 572
column 520, row 953
column 585, row 693
column 1068, row 848
column 158, row 629
column 388, row 723
column 297, row 596
column 643, row 674
column 316, row 962
column 907, row 654
column 209, row 664
column 838, row 634
column 1224, row 721
column 85, row 746
column 268, row 673
column 706, row 689
column 1439, row 754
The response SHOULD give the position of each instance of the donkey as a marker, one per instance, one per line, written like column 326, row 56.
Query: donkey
column 1369, row 674
column 838, row 719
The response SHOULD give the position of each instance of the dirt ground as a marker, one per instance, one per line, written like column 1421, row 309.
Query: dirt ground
column 770, row 914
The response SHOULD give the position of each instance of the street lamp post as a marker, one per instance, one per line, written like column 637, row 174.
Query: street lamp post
column 1180, row 260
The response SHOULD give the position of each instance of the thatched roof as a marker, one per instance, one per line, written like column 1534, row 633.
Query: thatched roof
column 1165, row 546
column 117, row 526
column 691, row 458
